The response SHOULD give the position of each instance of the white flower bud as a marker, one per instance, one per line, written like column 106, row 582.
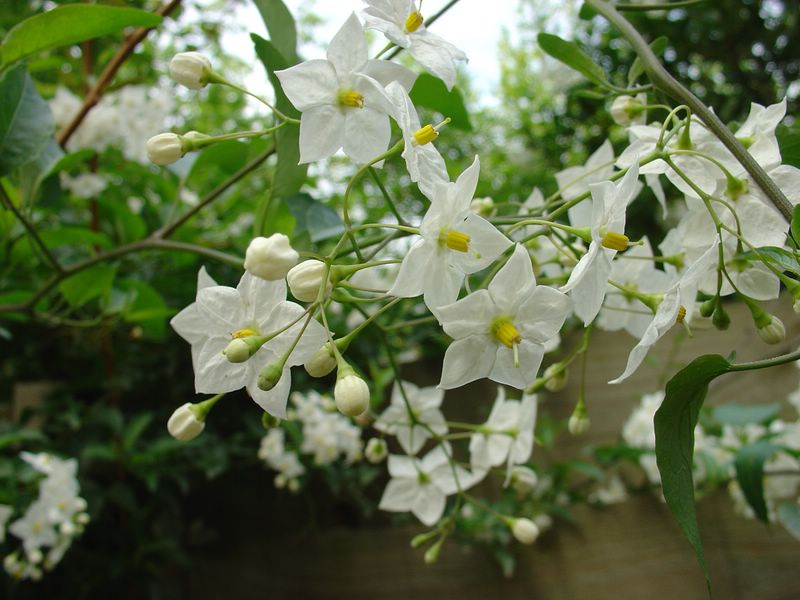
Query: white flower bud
column 796, row 306
column 237, row 351
column 322, row 363
column 376, row 450
column 191, row 69
column 66, row 528
column 270, row 257
column 305, row 279
column 625, row 109
column 35, row 556
column 556, row 378
column 184, row 425
column 482, row 206
column 523, row 479
column 165, row 148
column 578, row 424
column 773, row 332
column 525, row 531
column 83, row 518
column 351, row 395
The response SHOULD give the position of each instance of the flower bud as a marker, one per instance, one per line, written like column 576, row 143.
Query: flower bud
column 773, row 332
column 625, row 109
column 524, row 480
column 237, row 351
column 269, row 421
column 432, row 553
column 191, row 69
column 578, row 424
column 721, row 319
column 555, row 377
column 482, row 206
column 351, row 394
column 376, row 450
column 305, row 279
column 525, row 531
column 184, row 425
column 322, row 363
column 707, row 308
column 270, row 257
column 165, row 148
column 270, row 375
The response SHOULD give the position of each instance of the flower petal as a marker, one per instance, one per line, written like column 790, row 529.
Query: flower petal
column 366, row 135
column 530, row 359
column 466, row 360
column 309, row 84
column 470, row 315
column 347, row 50
column 542, row 313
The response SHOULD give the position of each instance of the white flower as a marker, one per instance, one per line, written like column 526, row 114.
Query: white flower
column 191, row 69
column 270, row 257
column 588, row 281
column 342, row 100
column 34, row 528
column 490, row 445
column 422, row 486
column 523, row 435
column 183, row 424
column 376, row 450
column 500, row 332
column 425, row 165
column 627, row 110
column 305, row 280
column 254, row 308
column 413, row 430
column 677, row 305
column 401, row 22
column 523, row 479
column 574, row 181
column 165, row 148
column 455, row 242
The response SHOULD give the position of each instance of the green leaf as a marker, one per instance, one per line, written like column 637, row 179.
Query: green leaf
column 571, row 55
column 658, row 46
column 796, row 224
column 26, row 124
column 783, row 258
column 281, row 27
column 789, row 143
column 320, row 220
column 789, row 515
column 69, row 24
column 22, row 435
column 34, row 172
column 749, row 464
column 87, row 284
column 742, row 414
column 430, row 92
column 675, row 421
column 216, row 163
column 135, row 429
column 146, row 307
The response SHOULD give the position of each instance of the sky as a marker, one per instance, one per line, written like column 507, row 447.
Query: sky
column 468, row 25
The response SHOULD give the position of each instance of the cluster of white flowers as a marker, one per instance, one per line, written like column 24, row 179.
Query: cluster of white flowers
column 124, row 119
column 327, row 436
column 501, row 327
column 50, row 523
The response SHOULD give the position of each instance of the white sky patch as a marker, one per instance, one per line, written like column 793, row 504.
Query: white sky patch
column 468, row 25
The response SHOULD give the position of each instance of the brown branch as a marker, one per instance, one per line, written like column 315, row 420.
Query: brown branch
column 94, row 94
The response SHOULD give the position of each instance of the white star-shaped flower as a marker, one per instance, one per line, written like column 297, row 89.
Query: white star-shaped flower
column 500, row 332
column 254, row 308
column 454, row 243
column 342, row 99
column 413, row 430
column 401, row 23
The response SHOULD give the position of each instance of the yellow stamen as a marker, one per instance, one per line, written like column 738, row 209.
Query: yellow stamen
column 455, row 240
column 425, row 135
column 243, row 333
column 413, row 21
column 615, row 241
column 681, row 314
column 350, row 98
column 508, row 335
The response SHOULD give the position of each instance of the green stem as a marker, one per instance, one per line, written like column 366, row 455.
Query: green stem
column 669, row 85
column 767, row 362
column 656, row 6
column 31, row 230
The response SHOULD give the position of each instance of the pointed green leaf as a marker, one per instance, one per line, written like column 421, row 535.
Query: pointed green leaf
column 571, row 55
column 87, row 284
column 675, row 421
column 789, row 143
column 742, row 414
column 431, row 92
column 69, row 24
column 281, row 27
column 785, row 259
column 26, row 124
column 749, row 464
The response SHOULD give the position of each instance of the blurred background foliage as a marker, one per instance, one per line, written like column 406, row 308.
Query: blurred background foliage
column 118, row 370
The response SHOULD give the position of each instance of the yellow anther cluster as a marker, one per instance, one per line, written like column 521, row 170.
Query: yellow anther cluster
column 351, row 99
column 455, row 240
column 243, row 333
column 615, row 241
column 413, row 21
column 425, row 135
column 506, row 333
column 681, row 314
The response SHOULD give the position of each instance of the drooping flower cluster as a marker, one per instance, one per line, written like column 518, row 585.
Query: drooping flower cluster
column 50, row 523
